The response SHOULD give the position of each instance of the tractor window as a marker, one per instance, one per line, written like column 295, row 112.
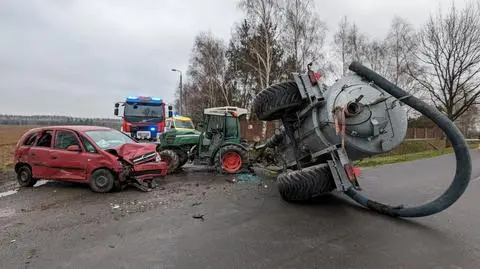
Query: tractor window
column 64, row 139
column 231, row 128
column 45, row 140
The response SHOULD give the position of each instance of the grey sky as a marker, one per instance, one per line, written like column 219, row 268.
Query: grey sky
column 78, row 57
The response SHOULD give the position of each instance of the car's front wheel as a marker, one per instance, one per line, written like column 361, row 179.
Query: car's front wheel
column 24, row 176
column 102, row 180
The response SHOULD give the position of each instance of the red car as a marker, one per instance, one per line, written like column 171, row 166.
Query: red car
column 102, row 157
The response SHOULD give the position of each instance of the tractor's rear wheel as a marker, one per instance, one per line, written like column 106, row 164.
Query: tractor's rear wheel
column 305, row 184
column 231, row 159
column 275, row 101
column 171, row 158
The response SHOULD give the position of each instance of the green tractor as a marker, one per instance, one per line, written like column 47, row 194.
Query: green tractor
column 218, row 144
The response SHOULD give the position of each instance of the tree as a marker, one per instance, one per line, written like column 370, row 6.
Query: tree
column 208, row 84
column 303, row 36
column 449, row 57
column 350, row 43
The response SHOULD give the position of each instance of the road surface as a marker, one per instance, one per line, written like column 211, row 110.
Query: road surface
column 244, row 225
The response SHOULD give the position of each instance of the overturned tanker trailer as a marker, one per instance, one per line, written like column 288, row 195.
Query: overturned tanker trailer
column 326, row 128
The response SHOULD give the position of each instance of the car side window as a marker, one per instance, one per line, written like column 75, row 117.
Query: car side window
column 64, row 139
column 31, row 139
column 88, row 146
column 45, row 140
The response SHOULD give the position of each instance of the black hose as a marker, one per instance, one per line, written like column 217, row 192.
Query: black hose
column 462, row 153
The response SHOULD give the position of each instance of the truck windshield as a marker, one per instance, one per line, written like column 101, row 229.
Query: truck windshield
column 106, row 139
column 146, row 112
column 187, row 124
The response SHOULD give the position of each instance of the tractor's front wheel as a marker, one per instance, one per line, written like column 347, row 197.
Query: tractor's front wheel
column 231, row 159
column 305, row 184
column 171, row 158
column 183, row 157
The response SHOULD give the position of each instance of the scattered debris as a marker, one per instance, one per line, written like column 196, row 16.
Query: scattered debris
column 247, row 178
column 231, row 180
column 13, row 241
column 196, row 203
column 115, row 206
column 111, row 246
column 198, row 216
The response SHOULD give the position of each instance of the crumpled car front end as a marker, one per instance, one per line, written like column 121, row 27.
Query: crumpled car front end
column 141, row 165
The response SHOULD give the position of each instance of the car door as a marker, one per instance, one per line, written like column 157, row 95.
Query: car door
column 68, row 157
column 39, row 155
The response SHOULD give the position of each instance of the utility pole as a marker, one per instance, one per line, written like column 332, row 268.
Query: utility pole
column 181, row 90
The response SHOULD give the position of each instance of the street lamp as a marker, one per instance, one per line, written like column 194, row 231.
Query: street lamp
column 181, row 89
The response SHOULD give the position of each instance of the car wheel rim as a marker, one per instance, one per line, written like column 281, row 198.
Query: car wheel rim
column 24, row 176
column 101, row 181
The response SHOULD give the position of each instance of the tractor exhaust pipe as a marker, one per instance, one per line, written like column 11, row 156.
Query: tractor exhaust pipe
column 462, row 154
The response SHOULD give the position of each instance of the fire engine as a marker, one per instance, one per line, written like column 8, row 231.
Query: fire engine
column 143, row 117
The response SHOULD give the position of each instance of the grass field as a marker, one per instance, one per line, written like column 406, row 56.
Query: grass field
column 9, row 136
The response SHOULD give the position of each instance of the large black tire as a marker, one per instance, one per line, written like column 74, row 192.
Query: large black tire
column 24, row 176
column 277, row 100
column 102, row 180
column 305, row 184
column 227, row 152
column 172, row 159
column 182, row 156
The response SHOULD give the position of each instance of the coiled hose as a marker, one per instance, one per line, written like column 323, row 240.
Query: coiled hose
column 462, row 154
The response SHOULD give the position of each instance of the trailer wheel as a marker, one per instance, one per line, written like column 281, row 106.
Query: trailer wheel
column 24, row 176
column 277, row 100
column 305, row 184
column 171, row 158
column 231, row 159
column 102, row 180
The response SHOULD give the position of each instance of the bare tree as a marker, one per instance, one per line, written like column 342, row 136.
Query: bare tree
column 208, row 84
column 303, row 35
column 449, row 57
column 350, row 43
column 341, row 42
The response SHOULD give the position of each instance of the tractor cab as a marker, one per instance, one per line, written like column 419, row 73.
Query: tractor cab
column 220, row 142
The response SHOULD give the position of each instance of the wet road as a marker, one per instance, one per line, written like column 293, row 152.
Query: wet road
column 245, row 225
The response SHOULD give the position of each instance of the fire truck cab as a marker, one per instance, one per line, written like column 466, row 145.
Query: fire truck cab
column 143, row 117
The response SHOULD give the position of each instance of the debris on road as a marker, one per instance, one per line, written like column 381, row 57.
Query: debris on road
column 196, row 203
column 199, row 216
column 115, row 206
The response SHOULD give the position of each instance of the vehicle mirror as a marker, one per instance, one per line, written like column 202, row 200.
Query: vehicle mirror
column 117, row 105
column 115, row 112
column 74, row 148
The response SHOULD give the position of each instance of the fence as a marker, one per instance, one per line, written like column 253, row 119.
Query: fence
column 252, row 130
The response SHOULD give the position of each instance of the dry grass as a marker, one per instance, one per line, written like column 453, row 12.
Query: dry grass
column 9, row 135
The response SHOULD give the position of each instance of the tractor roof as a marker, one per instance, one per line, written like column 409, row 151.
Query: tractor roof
column 229, row 110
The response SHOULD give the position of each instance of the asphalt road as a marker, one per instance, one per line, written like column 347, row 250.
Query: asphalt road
column 244, row 225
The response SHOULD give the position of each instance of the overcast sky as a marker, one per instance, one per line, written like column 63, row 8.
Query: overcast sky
column 78, row 57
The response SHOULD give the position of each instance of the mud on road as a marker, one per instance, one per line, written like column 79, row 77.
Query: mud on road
column 38, row 222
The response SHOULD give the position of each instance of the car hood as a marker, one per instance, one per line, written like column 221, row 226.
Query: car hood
column 187, row 131
column 135, row 150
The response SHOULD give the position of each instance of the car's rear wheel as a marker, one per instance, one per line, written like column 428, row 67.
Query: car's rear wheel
column 102, row 180
column 24, row 176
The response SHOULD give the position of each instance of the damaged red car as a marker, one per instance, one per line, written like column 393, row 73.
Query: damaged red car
column 104, row 158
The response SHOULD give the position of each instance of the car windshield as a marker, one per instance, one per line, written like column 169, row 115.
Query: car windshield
column 187, row 124
column 106, row 139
